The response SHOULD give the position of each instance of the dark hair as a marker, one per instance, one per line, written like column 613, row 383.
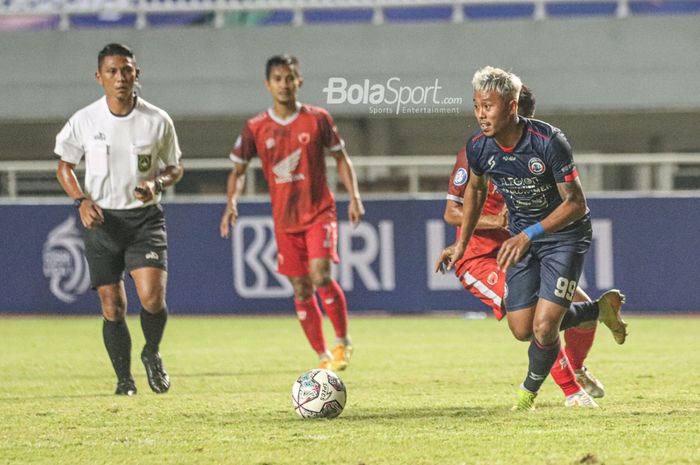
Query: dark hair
column 282, row 60
column 111, row 50
column 526, row 102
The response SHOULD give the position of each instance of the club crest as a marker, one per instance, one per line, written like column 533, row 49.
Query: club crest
column 536, row 166
column 144, row 162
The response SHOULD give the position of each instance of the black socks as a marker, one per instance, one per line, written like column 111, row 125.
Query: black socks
column 153, row 325
column 578, row 313
column 541, row 360
column 118, row 343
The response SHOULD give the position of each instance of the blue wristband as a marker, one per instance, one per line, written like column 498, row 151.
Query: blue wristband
column 534, row 231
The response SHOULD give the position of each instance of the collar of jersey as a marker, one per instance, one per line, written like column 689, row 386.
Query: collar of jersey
column 127, row 116
column 284, row 121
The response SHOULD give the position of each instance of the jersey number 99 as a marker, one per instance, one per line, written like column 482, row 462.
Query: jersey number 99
column 565, row 288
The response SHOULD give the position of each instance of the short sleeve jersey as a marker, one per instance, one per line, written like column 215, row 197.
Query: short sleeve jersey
column 292, row 152
column 119, row 151
column 484, row 242
column 527, row 175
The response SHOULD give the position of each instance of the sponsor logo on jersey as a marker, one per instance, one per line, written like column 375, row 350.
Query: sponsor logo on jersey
column 144, row 162
column 100, row 136
column 64, row 262
column 283, row 168
column 304, row 138
column 151, row 255
column 460, row 177
column 508, row 157
column 536, row 166
column 269, row 143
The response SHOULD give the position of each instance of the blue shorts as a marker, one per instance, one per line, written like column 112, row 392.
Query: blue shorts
column 550, row 270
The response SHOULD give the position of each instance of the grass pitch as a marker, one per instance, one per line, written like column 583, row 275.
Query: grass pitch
column 431, row 391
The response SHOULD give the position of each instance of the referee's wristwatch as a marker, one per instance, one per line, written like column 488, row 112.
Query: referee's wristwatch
column 78, row 201
column 158, row 186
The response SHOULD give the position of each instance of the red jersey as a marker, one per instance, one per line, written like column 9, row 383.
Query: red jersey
column 484, row 242
column 292, row 152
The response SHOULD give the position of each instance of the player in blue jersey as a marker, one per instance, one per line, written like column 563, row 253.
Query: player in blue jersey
column 531, row 164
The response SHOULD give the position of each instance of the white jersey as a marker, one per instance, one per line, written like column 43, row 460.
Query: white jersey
column 119, row 151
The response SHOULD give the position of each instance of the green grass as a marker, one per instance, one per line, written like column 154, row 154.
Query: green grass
column 432, row 391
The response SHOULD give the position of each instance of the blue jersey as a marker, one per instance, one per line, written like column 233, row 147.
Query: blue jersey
column 527, row 175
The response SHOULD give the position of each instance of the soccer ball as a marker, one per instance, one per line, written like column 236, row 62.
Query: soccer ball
column 318, row 393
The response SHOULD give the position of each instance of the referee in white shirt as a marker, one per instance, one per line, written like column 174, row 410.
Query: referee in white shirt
column 131, row 155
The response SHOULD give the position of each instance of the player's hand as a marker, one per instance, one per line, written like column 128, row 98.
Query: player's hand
column 90, row 214
column 228, row 219
column 356, row 211
column 145, row 191
column 512, row 251
column 449, row 256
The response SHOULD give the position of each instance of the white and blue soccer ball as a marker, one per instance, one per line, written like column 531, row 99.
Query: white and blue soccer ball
column 318, row 393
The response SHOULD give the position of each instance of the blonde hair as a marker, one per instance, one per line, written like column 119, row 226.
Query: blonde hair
column 490, row 79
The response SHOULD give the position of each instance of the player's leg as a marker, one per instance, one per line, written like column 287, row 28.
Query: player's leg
column 310, row 317
column 116, row 336
column 150, row 286
column 146, row 260
column 321, row 242
column 579, row 341
column 292, row 261
column 560, row 268
column 105, row 257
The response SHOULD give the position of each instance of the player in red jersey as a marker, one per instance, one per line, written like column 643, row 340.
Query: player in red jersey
column 292, row 141
column 480, row 275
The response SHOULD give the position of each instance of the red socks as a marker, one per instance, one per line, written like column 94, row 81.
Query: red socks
column 578, row 344
column 563, row 374
column 336, row 307
column 309, row 315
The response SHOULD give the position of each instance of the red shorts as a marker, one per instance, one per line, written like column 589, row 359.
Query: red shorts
column 294, row 250
column 485, row 281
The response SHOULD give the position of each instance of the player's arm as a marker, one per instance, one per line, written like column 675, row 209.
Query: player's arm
column 234, row 189
column 346, row 173
column 149, row 188
column 474, row 197
column 572, row 208
column 453, row 215
column 90, row 213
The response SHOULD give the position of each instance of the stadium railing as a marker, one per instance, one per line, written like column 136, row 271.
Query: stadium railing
column 66, row 14
column 629, row 174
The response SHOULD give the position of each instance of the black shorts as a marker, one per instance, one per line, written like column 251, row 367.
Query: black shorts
column 128, row 239
column 550, row 270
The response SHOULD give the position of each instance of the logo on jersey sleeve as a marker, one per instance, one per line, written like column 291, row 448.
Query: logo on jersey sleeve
column 460, row 177
column 536, row 166
column 491, row 162
column 283, row 168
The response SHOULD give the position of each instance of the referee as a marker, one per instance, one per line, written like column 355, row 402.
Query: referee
column 131, row 155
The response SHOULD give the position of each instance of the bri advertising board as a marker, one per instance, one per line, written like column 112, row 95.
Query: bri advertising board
column 646, row 247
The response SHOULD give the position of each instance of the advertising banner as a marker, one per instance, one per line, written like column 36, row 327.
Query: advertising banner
column 647, row 247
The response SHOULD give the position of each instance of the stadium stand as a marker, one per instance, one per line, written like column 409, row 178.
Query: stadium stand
column 77, row 14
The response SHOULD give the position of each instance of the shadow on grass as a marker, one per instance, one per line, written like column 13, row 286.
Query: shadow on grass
column 60, row 396
column 415, row 413
column 256, row 373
